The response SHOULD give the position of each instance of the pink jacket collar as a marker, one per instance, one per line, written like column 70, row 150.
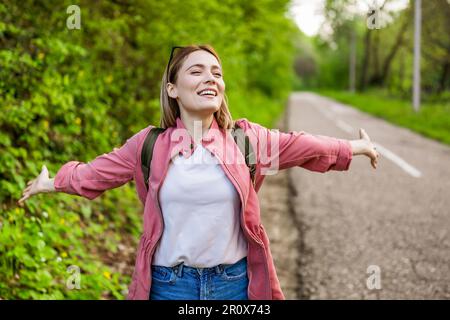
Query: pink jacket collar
column 188, row 144
column 209, row 135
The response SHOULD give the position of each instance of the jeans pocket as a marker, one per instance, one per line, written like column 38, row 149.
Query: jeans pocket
column 163, row 274
column 234, row 272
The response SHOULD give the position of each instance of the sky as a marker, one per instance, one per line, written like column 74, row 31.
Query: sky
column 308, row 15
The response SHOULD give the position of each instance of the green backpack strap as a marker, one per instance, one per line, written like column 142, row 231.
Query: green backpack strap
column 243, row 142
column 147, row 152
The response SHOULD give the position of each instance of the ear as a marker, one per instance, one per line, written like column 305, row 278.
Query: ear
column 172, row 90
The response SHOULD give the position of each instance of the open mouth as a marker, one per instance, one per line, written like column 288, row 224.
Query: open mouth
column 207, row 93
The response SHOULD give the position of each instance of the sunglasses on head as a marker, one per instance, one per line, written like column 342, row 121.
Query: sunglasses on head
column 170, row 60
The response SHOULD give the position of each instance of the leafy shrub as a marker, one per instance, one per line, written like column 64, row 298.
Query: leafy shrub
column 74, row 94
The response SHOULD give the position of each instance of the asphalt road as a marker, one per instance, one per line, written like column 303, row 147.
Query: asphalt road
column 362, row 233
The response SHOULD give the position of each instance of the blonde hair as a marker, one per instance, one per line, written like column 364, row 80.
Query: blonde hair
column 170, row 109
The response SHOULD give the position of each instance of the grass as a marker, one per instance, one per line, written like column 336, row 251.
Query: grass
column 432, row 120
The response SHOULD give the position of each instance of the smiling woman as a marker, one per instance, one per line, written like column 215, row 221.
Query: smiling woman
column 203, row 237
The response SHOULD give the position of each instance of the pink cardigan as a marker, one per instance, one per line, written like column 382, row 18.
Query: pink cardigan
column 274, row 151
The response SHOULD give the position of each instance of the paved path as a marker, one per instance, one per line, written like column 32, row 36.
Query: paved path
column 326, row 230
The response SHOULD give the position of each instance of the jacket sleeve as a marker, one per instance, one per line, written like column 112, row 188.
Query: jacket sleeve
column 298, row 148
column 107, row 171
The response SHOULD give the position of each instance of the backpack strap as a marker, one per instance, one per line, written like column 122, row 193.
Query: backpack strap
column 243, row 142
column 239, row 136
column 147, row 152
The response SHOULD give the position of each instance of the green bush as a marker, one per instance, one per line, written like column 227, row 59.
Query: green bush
column 74, row 94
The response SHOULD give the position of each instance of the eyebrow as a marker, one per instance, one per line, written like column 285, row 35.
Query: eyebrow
column 202, row 66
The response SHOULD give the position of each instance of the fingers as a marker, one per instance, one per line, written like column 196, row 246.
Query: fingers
column 374, row 163
column 22, row 200
column 29, row 185
column 25, row 194
column 372, row 152
column 374, row 159
column 27, row 191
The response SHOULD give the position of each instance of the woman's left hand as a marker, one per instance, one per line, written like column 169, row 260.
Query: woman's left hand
column 365, row 146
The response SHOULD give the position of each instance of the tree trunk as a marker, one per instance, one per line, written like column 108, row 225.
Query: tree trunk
column 444, row 76
column 390, row 57
column 366, row 60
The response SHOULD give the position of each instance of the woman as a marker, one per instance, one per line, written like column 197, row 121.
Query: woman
column 203, row 238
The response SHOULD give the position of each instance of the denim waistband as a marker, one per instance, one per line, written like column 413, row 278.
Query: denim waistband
column 179, row 268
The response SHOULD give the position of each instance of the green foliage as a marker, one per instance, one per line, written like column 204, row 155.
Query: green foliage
column 39, row 243
column 384, row 55
column 74, row 94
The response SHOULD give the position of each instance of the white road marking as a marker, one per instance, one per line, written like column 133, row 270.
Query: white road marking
column 344, row 126
column 398, row 160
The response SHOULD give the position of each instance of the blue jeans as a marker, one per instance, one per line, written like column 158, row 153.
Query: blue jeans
column 222, row 282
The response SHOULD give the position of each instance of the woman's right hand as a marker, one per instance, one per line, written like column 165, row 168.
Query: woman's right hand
column 39, row 185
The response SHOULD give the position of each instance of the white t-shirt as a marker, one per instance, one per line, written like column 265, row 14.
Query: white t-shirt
column 201, row 209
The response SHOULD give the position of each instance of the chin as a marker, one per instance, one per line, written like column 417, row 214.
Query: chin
column 210, row 109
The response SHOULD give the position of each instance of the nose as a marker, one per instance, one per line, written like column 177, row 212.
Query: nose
column 210, row 77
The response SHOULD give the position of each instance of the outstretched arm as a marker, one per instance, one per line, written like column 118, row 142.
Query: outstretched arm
column 301, row 149
column 90, row 180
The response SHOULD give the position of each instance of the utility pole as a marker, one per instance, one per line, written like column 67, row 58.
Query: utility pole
column 416, row 77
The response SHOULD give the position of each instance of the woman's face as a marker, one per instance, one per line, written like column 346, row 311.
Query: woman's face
column 200, row 71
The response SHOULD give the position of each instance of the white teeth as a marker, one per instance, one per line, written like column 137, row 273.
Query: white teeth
column 207, row 92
